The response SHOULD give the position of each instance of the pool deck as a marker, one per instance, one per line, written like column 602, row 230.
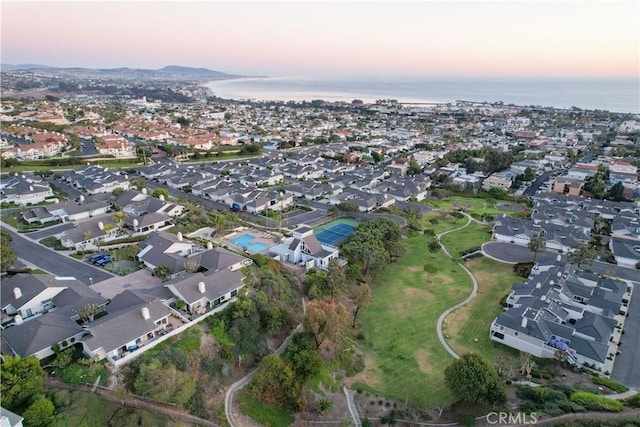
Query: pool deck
column 263, row 237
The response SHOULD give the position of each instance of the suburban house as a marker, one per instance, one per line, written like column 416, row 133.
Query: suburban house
column 515, row 230
column 498, row 180
column 65, row 211
column 206, row 290
column 303, row 247
column 133, row 319
column 23, row 190
column 41, row 311
column 96, row 179
column 563, row 309
column 165, row 249
column 89, row 234
column 9, row 419
column 625, row 251
column 115, row 145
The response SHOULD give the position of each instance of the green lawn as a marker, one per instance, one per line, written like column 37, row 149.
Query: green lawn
column 268, row 416
column 473, row 320
column 404, row 358
column 470, row 205
column 472, row 236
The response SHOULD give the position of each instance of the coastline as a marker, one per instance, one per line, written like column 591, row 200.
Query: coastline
column 613, row 95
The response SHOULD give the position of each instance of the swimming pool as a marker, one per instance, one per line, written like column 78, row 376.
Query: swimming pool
column 244, row 241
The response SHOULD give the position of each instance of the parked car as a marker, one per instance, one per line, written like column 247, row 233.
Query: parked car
column 94, row 257
column 104, row 260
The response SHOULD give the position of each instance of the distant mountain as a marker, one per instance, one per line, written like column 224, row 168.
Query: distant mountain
column 202, row 72
column 171, row 72
column 11, row 67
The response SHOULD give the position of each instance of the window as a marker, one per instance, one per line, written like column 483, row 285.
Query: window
column 234, row 293
column 515, row 333
column 498, row 335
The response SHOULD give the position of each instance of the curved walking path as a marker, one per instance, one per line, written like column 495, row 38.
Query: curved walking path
column 238, row 385
column 472, row 295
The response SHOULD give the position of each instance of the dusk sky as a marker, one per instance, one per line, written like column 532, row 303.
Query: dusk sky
column 423, row 38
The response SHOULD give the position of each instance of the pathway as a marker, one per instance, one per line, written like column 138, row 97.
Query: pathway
column 170, row 411
column 351, row 404
column 238, row 385
column 472, row 295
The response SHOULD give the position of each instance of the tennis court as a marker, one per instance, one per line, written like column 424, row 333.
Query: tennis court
column 336, row 234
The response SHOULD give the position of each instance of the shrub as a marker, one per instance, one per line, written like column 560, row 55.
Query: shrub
column 634, row 401
column 594, row 402
column 617, row 387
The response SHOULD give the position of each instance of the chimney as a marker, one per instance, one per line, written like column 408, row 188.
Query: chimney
column 179, row 236
column 209, row 245
column 161, row 197
column 17, row 293
column 144, row 191
column 101, row 225
column 558, row 257
column 31, row 188
column 18, row 319
column 524, row 322
column 145, row 313
column 135, row 223
column 201, row 287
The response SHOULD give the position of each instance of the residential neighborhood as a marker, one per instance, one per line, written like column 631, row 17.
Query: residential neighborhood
column 136, row 223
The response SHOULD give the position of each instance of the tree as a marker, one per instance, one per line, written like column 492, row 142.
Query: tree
column 161, row 192
column 7, row 255
column 537, row 243
column 430, row 269
column 88, row 312
column 471, row 378
column 580, row 253
column 138, row 183
column 274, row 383
column 361, row 295
column 164, row 383
column 191, row 265
column 40, row 413
column 526, row 364
column 616, row 192
column 22, row 379
column 63, row 359
column 336, row 278
column 433, row 246
column 325, row 320
column 118, row 217
column 162, row 271
column 348, row 206
column 302, row 356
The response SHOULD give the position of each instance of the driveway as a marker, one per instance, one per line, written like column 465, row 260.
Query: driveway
column 51, row 231
column 626, row 368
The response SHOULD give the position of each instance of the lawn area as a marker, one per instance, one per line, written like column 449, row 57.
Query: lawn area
column 404, row 359
column 474, row 319
column 440, row 224
column 472, row 236
column 268, row 416
column 470, row 205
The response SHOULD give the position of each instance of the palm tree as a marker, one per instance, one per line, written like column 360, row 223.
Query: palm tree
column 536, row 244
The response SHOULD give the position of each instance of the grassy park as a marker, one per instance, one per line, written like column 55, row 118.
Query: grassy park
column 404, row 359
column 473, row 320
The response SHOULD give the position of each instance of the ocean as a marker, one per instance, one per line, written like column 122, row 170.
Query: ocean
column 617, row 95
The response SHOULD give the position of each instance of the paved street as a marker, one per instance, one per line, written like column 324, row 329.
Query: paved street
column 531, row 190
column 54, row 262
column 512, row 253
column 626, row 368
